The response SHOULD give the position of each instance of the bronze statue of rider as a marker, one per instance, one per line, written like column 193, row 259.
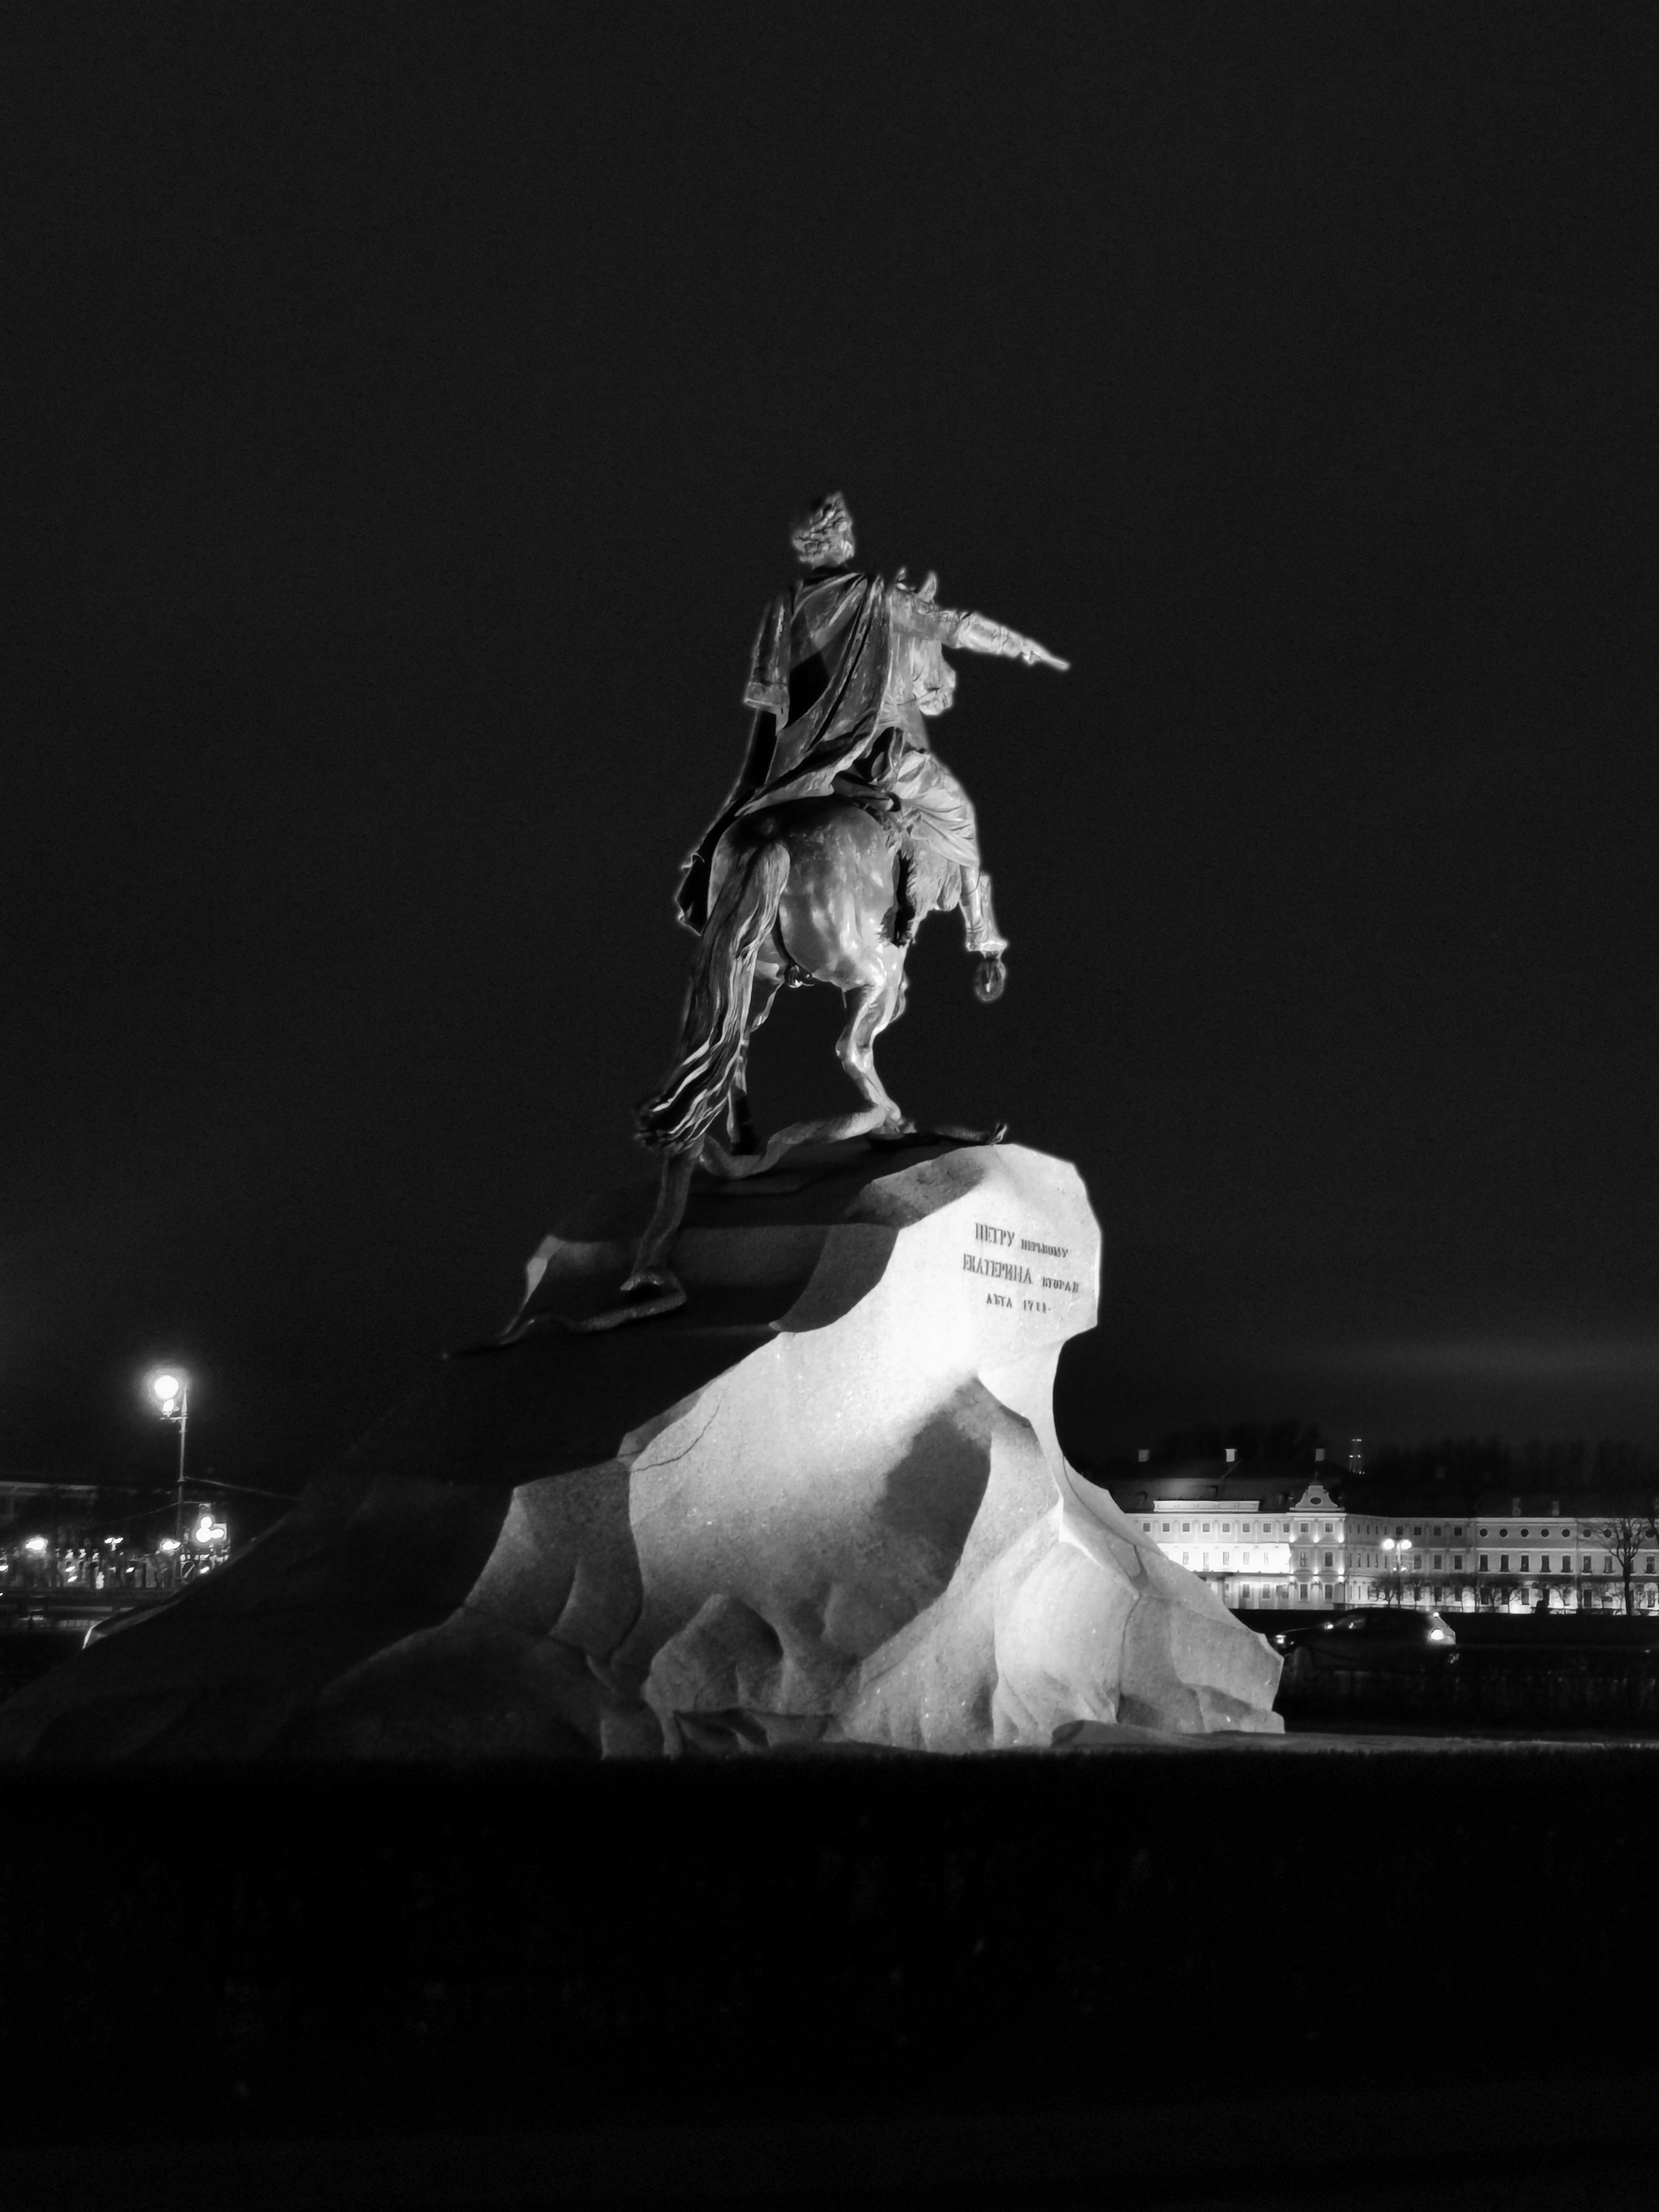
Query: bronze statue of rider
column 845, row 668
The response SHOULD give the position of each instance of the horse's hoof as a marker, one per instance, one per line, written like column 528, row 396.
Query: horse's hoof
column 960, row 1132
column 990, row 979
column 898, row 1132
column 655, row 1292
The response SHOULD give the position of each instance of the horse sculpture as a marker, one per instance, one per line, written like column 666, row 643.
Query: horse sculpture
column 808, row 890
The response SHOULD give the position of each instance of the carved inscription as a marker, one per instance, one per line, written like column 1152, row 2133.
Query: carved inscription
column 1013, row 1269
column 1006, row 1271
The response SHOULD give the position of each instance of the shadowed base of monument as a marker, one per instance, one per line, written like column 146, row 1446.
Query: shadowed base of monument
column 821, row 1505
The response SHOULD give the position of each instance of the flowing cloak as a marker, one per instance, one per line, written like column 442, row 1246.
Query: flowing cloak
column 833, row 685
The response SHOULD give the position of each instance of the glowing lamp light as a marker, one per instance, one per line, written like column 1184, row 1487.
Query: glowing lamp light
column 169, row 1545
column 35, row 1544
column 168, row 1386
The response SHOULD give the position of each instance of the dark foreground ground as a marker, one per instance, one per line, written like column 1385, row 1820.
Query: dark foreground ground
column 1282, row 1975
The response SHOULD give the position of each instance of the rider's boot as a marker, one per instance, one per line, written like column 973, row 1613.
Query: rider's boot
column 978, row 920
column 904, row 907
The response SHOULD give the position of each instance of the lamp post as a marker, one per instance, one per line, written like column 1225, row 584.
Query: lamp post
column 169, row 1386
column 1397, row 1547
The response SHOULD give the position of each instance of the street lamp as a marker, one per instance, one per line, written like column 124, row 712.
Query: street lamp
column 1398, row 1545
column 169, row 1389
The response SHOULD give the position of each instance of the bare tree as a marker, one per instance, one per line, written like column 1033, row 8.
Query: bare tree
column 1622, row 1535
column 1650, row 1528
column 1399, row 1586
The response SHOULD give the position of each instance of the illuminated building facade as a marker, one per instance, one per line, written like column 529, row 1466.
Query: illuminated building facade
column 1261, row 1535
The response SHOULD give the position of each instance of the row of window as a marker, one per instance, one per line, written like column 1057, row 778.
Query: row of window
column 1443, row 1563
column 1245, row 1528
column 1375, row 1559
column 1587, row 1566
column 1372, row 1559
column 1568, row 1533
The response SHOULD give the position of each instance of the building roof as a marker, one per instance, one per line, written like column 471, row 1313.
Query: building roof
column 1139, row 1485
column 1563, row 1505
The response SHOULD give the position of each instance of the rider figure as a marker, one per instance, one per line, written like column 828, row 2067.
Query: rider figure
column 845, row 668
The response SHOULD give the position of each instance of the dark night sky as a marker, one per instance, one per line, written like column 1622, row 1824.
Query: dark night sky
column 407, row 404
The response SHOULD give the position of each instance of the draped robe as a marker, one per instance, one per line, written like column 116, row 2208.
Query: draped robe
column 843, row 669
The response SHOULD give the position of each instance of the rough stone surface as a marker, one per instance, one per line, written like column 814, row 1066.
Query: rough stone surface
column 823, row 1505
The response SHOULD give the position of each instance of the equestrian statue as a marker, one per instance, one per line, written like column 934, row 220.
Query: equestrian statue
column 844, row 831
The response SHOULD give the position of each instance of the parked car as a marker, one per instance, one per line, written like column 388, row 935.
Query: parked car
column 1386, row 1636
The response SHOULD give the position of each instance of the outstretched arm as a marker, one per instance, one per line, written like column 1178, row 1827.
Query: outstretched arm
column 917, row 611
column 979, row 634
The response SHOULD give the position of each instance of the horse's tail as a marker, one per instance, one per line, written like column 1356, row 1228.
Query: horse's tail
column 680, row 1115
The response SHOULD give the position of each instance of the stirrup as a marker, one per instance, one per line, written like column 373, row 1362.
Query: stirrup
column 990, row 979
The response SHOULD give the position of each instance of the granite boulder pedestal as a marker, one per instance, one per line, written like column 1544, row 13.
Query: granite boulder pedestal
column 822, row 1506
